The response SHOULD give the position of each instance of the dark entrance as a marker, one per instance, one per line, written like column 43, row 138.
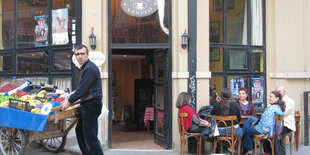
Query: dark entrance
column 139, row 80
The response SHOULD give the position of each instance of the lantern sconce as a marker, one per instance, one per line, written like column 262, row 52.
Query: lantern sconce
column 92, row 39
column 184, row 40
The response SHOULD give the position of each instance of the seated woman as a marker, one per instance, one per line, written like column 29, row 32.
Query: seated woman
column 227, row 108
column 266, row 123
column 192, row 123
column 246, row 107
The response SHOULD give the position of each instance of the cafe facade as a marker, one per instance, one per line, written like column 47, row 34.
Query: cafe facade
column 149, row 51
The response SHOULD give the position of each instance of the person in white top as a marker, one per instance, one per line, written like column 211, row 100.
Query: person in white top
column 289, row 118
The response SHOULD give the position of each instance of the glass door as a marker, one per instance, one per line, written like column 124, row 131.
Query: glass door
column 161, row 125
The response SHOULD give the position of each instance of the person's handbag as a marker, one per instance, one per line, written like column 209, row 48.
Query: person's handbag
column 279, row 148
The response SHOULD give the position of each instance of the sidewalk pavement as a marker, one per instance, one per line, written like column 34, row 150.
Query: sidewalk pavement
column 36, row 149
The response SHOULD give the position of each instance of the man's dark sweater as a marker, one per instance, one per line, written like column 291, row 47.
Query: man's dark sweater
column 89, row 84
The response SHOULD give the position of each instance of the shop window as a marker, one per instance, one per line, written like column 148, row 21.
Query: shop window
column 32, row 63
column 7, row 24
column 62, row 61
column 257, row 61
column 137, row 22
column 237, row 60
column 6, row 61
column 216, row 59
column 237, row 22
column 216, row 21
column 236, row 34
column 31, row 29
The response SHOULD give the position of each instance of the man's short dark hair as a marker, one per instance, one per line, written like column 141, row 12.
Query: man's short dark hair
column 81, row 46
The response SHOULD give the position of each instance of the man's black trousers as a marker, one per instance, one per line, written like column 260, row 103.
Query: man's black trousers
column 87, row 127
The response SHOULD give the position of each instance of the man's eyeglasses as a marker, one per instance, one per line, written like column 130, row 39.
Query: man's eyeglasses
column 77, row 54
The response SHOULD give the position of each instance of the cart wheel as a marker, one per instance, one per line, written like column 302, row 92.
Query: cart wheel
column 54, row 145
column 13, row 141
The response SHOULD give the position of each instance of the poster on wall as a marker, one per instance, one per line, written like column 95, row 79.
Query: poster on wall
column 258, row 92
column 235, row 84
column 41, row 30
column 60, row 26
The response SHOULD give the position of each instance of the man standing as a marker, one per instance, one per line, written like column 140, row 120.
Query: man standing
column 89, row 92
column 289, row 118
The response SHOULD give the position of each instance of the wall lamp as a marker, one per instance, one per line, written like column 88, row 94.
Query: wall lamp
column 92, row 39
column 184, row 40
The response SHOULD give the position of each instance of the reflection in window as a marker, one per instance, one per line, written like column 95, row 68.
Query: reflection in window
column 160, row 97
column 257, row 60
column 216, row 21
column 6, row 62
column 216, row 59
column 237, row 22
column 26, row 25
column 160, row 123
column 62, row 61
column 31, row 63
column 237, row 59
column 7, row 23
column 148, row 29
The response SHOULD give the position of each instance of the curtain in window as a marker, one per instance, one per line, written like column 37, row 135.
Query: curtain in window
column 257, row 23
column 161, row 14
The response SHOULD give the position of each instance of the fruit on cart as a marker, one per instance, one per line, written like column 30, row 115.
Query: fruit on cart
column 6, row 98
column 36, row 110
column 7, row 88
column 25, row 98
column 20, row 93
column 4, row 104
column 41, row 93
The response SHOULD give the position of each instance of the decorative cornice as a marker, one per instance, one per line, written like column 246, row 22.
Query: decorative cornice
column 180, row 75
column 203, row 75
column 185, row 75
column 289, row 75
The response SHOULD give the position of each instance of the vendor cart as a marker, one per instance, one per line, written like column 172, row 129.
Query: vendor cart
column 51, row 130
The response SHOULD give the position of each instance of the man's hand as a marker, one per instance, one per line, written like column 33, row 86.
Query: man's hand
column 253, row 123
column 65, row 105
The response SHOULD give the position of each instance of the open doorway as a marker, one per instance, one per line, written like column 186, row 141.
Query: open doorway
column 134, row 89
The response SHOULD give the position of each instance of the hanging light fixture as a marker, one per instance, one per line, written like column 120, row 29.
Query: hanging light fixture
column 92, row 39
column 184, row 40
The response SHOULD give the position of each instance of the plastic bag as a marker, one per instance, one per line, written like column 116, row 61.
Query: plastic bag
column 104, row 112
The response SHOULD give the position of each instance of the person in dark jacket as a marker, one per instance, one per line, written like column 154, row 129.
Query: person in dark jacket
column 246, row 107
column 89, row 92
column 227, row 108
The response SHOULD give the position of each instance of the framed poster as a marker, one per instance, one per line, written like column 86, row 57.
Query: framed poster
column 41, row 30
column 258, row 92
column 235, row 84
column 60, row 26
